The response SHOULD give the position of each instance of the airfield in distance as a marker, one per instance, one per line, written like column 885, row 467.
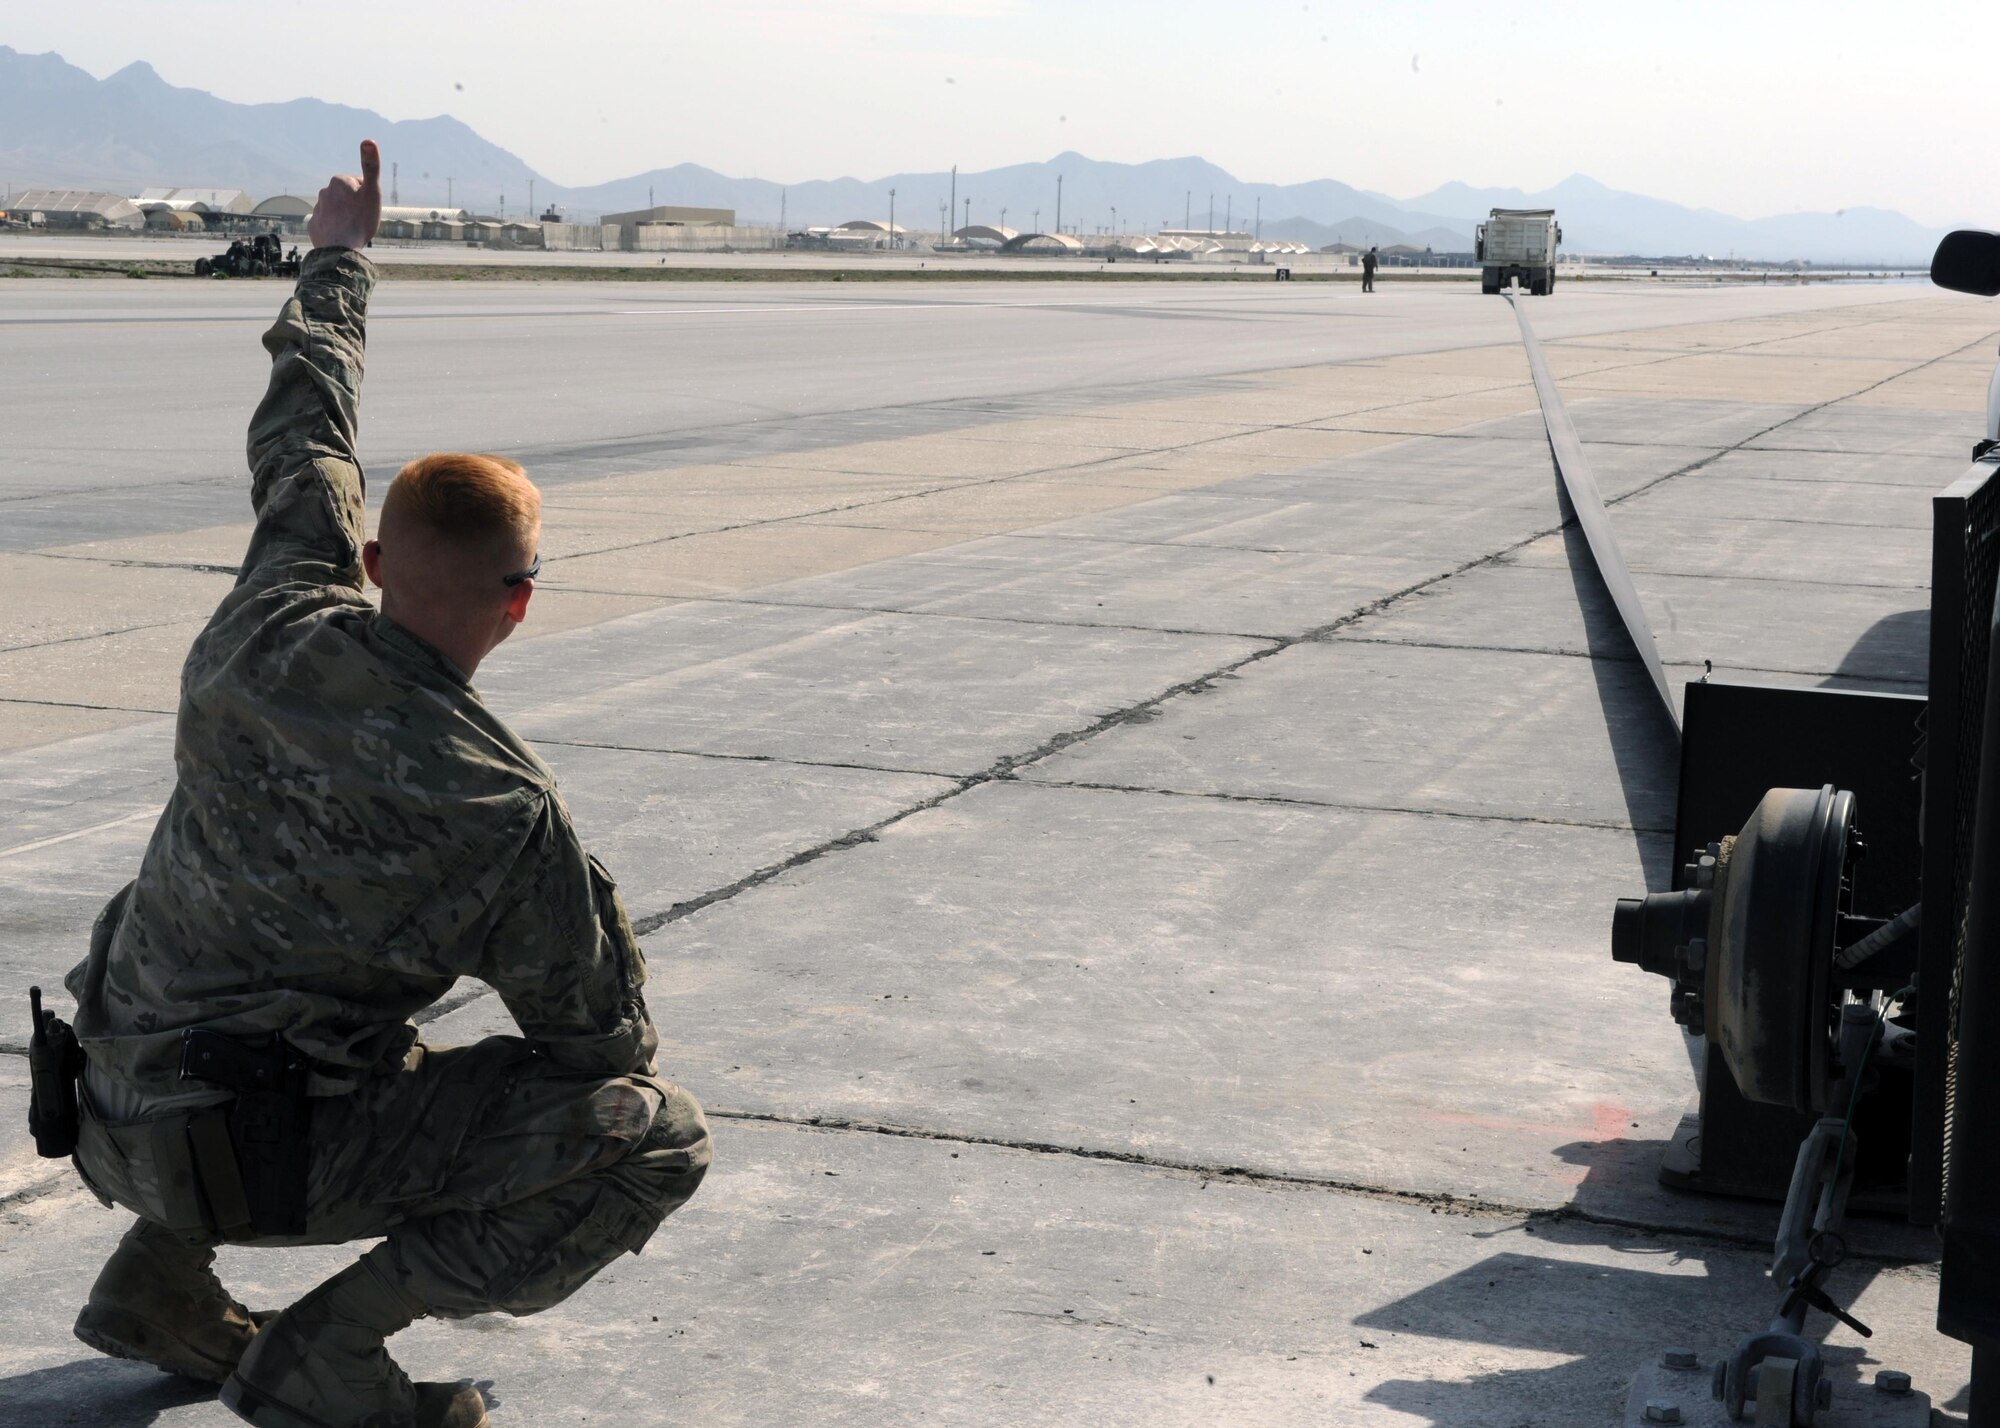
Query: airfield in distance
column 1121, row 790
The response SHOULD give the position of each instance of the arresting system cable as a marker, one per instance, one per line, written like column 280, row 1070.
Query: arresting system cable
column 1588, row 504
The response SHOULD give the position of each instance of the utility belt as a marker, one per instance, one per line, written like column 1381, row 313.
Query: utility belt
column 250, row 1155
column 236, row 1169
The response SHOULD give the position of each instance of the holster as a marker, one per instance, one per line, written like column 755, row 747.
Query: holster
column 250, row 1155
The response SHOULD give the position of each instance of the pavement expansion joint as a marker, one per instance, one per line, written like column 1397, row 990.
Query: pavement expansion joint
column 1732, row 576
column 736, row 758
column 1822, row 451
column 92, row 635
column 1436, row 1201
column 81, row 704
column 1398, row 809
column 1007, row 766
column 127, row 491
column 1606, row 657
column 55, row 1183
column 916, row 612
column 127, row 562
column 463, row 995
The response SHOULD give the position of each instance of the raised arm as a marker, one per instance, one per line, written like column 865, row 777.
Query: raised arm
column 306, row 485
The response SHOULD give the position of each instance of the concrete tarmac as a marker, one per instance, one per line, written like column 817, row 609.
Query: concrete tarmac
column 1122, row 793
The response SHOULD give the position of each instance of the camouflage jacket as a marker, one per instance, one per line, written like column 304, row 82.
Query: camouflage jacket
column 351, row 829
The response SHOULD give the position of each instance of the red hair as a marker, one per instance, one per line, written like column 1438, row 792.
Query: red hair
column 468, row 499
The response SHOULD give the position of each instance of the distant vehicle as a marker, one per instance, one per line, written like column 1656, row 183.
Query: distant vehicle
column 262, row 256
column 1518, row 243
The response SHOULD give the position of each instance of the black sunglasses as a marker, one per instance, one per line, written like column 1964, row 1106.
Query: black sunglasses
column 510, row 581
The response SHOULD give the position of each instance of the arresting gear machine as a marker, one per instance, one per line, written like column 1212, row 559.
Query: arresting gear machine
column 1799, row 997
column 1850, row 1006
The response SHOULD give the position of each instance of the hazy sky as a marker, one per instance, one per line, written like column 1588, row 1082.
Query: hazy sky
column 1753, row 107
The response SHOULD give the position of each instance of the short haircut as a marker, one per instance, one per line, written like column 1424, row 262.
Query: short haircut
column 477, row 502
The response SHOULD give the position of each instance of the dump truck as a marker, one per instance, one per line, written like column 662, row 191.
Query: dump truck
column 1518, row 243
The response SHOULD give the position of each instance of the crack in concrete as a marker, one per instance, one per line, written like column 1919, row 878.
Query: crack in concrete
column 1812, row 410
column 122, row 562
column 79, row 704
column 767, row 603
column 1332, row 805
column 92, row 635
column 1613, row 658
column 1006, row 766
column 1172, row 449
column 1436, row 1201
column 776, row 759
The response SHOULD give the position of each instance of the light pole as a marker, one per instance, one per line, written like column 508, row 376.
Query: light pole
column 1058, row 203
column 1114, row 220
column 1187, row 217
column 1211, row 215
column 892, row 218
column 954, row 189
column 968, row 210
column 1003, row 220
column 447, row 191
column 1260, row 218
column 1038, row 220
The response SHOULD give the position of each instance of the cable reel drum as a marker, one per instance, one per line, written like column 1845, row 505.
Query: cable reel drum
column 1751, row 946
column 1749, row 943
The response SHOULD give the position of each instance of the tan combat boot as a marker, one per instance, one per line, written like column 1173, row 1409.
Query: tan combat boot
column 158, row 1301
column 322, row 1364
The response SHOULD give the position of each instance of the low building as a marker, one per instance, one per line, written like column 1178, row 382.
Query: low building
column 1046, row 243
column 977, row 236
column 161, row 219
column 286, row 211
column 424, row 213
column 412, row 221
column 680, row 217
column 218, row 202
column 868, row 233
column 75, row 208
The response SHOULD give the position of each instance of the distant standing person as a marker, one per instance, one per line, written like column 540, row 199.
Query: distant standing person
column 1368, row 261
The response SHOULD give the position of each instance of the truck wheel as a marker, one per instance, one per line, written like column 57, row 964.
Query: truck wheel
column 1489, row 280
column 201, row 267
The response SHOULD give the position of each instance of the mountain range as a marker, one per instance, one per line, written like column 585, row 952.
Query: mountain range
column 60, row 125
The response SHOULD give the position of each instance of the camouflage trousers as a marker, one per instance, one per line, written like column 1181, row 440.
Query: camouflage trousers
column 500, row 1180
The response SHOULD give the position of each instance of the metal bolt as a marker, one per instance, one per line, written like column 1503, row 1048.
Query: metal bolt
column 1662, row 1410
column 1892, row 1381
column 1679, row 1358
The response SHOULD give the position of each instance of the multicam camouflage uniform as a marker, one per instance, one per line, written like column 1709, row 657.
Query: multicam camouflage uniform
column 351, row 831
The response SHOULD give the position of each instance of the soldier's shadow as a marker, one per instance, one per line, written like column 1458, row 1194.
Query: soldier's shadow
column 99, row 1392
